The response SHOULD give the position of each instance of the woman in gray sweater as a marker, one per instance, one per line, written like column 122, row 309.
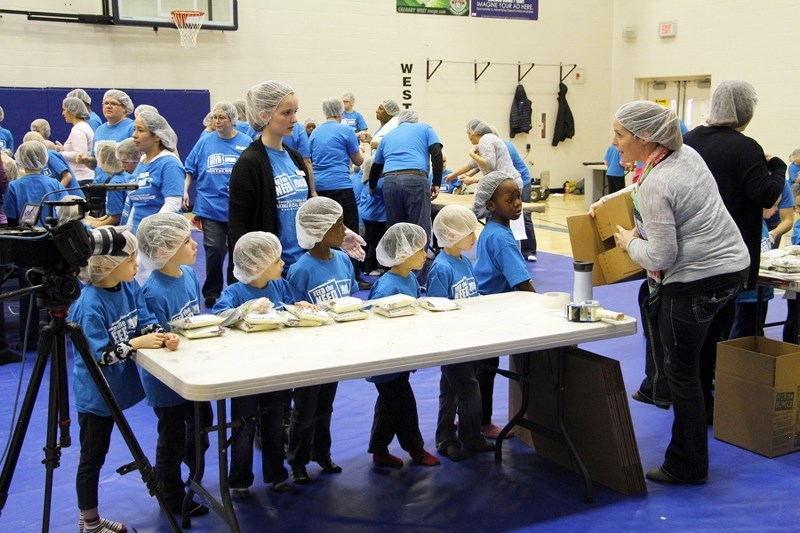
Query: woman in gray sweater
column 695, row 260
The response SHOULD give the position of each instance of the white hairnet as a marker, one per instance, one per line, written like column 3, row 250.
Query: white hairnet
column 391, row 107
column 253, row 254
column 2, row 114
column 332, row 107
column 68, row 212
column 265, row 97
column 229, row 109
column 310, row 121
column 100, row 266
column 207, row 119
column 241, row 108
column 144, row 107
column 453, row 223
column 42, row 127
column 349, row 96
column 651, row 122
column 158, row 126
column 485, row 190
column 795, row 155
column 82, row 95
column 10, row 166
column 127, row 152
column 121, row 97
column 401, row 241
column 478, row 127
column 76, row 107
column 32, row 155
column 407, row 115
column 107, row 160
column 732, row 104
column 33, row 136
column 160, row 236
column 314, row 219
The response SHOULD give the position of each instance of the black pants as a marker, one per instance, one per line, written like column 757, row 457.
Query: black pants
column 373, row 233
column 246, row 408
column 395, row 414
column 95, row 437
column 654, row 385
column 486, row 382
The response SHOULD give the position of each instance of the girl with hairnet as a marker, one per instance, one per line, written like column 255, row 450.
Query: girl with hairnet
column 6, row 139
column 499, row 266
column 113, row 314
column 451, row 276
column 80, row 140
column 209, row 164
column 160, row 174
column 258, row 267
column 695, row 260
column 171, row 292
column 402, row 249
column 322, row 273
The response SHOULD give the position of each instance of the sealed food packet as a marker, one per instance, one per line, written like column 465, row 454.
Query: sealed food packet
column 196, row 321
column 348, row 316
column 344, row 304
column 395, row 312
column 437, row 303
column 393, row 302
column 307, row 315
column 201, row 332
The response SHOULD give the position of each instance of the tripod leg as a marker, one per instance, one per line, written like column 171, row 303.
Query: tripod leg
column 145, row 468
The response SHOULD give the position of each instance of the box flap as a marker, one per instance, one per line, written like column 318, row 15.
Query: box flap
column 759, row 360
column 614, row 211
column 617, row 265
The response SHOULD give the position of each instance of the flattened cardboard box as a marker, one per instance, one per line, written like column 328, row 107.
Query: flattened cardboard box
column 592, row 239
column 756, row 395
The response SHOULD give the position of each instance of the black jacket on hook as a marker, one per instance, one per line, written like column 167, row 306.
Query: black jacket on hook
column 565, row 124
column 521, row 110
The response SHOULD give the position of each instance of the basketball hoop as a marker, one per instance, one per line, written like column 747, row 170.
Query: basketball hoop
column 188, row 24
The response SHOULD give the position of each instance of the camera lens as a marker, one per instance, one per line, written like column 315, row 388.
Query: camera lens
column 106, row 241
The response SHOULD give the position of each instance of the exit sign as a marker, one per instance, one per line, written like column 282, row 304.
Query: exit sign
column 668, row 29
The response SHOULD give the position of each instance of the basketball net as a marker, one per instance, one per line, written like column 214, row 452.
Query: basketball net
column 188, row 24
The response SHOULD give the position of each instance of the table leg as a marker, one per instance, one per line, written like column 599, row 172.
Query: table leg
column 587, row 480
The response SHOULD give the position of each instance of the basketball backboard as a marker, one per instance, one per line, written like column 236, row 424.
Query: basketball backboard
column 219, row 14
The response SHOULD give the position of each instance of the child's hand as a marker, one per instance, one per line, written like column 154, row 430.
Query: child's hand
column 172, row 341
column 260, row 305
column 152, row 340
column 306, row 305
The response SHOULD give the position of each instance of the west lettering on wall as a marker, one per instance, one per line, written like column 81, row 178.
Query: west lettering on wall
column 405, row 69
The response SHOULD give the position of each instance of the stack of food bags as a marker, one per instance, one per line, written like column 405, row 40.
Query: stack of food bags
column 198, row 326
column 261, row 321
column 345, row 309
column 395, row 305
column 298, row 316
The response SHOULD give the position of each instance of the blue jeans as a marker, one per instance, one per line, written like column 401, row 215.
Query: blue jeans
column 684, row 323
column 528, row 245
column 217, row 246
column 408, row 199
column 271, row 424
column 459, row 393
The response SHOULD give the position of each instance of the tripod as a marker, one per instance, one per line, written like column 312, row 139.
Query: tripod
column 52, row 347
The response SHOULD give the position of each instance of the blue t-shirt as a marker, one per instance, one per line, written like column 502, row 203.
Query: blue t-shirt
column 244, row 127
column 94, row 120
column 355, row 120
column 518, row 162
column 406, row 147
column 499, row 266
column 794, row 169
column 796, row 233
column 115, row 200
column 767, row 293
column 210, row 163
column 6, row 140
column 452, row 277
column 390, row 284
column 108, row 317
column 169, row 298
column 786, row 201
column 332, row 144
column 291, row 190
column 56, row 165
column 277, row 291
column 117, row 133
column 446, row 187
column 30, row 188
column 373, row 206
column 298, row 140
column 615, row 167
column 318, row 280
column 160, row 178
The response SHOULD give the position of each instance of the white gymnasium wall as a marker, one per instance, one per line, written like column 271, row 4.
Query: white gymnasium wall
column 325, row 47
column 728, row 39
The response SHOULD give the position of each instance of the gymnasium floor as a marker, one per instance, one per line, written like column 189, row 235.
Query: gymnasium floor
column 745, row 492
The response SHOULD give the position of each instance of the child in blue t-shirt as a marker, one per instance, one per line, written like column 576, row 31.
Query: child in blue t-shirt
column 403, row 249
column 171, row 292
column 114, row 316
column 373, row 212
column 451, row 277
column 258, row 267
column 321, row 273
column 500, row 266
column 6, row 139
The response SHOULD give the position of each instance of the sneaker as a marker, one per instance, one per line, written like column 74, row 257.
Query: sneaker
column 424, row 458
column 279, row 487
column 387, row 459
column 329, row 467
column 531, row 258
column 364, row 285
column 300, row 475
column 376, row 273
column 481, row 445
column 453, row 452
column 240, row 494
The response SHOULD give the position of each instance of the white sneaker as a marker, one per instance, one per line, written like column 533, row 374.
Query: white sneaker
column 375, row 273
column 531, row 258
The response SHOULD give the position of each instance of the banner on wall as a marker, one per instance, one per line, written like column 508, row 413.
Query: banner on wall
column 434, row 7
column 506, row 9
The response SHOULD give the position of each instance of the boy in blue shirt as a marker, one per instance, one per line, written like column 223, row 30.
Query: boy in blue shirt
column 500, row 266
column 403, row 249
column 322, row 273
column 171, row 292
column 113, row 314
column 6, row 139
column 258, row 267
column 451, row 276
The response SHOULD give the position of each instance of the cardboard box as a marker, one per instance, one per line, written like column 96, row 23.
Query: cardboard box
column 757, row 391
column 592, row 239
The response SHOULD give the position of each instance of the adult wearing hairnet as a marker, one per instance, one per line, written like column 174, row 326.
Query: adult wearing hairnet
column 353, row 118
column 748, row 181
column 242, row 124
column 209, row 164
column 42, row 127
column 94, row 120
column 386, row 113
column 6, row 139
column 57, row 166
column 403, row 159
column 80, row 141
column 144, row 107
column 117, row 105
column 696, row 262
column 160, row 174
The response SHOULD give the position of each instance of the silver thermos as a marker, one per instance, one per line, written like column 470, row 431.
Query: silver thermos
column 582, row 283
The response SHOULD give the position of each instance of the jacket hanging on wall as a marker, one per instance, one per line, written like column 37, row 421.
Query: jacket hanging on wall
column 521, row 110
column 565, row 124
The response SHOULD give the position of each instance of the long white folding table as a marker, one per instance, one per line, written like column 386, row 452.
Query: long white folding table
column 240, row 364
